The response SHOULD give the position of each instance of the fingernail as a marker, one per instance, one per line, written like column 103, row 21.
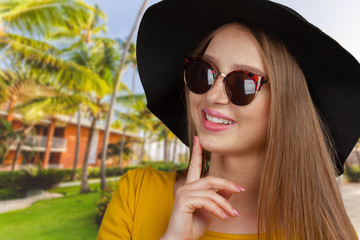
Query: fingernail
column 224, row 215
column 240, row 188
column 236, row 212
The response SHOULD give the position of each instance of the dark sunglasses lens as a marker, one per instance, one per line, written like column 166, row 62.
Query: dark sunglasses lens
column 199, row 77
column 240, row 89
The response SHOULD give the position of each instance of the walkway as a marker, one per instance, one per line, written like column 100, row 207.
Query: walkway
column 11, row 205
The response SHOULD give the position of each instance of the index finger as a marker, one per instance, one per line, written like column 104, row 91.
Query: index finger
column 194, row 171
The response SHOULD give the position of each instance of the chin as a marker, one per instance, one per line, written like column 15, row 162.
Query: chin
column 222, row 147
column 214, row 145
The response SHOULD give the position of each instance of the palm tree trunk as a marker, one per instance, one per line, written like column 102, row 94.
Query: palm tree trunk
column 77, row 148
column 165, row 146
column 17, row 154
column 122, row 148
column 117, row 84
column 19, row 146
column 143, row 147
column 84, row 179
column 174, row 150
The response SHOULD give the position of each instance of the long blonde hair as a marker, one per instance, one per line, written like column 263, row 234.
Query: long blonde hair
column 299, row 197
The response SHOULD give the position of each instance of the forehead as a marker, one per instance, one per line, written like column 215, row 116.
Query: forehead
column 234, row 45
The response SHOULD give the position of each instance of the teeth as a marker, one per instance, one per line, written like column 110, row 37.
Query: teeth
column 218, row 120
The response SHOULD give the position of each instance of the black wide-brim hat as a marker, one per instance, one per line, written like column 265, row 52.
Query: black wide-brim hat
column 171, row 29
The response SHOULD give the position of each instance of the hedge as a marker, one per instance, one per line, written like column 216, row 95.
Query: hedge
column 17, row 183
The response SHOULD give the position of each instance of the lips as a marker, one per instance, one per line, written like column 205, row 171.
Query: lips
column 215, row 121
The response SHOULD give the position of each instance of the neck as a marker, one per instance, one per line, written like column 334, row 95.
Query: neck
column 244, row 171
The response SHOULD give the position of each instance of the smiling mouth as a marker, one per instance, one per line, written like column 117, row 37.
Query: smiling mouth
column 217, row 120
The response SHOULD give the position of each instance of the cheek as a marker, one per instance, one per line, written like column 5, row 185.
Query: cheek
column 194, row 103
column 256, row 117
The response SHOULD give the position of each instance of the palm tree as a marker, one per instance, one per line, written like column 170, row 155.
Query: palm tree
column 115, row 150
column 114, row 93
column 21, row 20
column 7, row 136
column 39, row 18
column 35, row 101
column 101, row 57
column 82, row 35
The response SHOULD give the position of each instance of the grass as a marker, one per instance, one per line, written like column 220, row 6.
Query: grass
column 70, row 217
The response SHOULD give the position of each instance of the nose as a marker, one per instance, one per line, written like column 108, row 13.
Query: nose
column 216, row 94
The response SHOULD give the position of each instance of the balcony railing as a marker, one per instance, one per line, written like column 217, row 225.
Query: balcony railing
column 38, row 143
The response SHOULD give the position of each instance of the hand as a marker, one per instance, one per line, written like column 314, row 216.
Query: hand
column 196, row 200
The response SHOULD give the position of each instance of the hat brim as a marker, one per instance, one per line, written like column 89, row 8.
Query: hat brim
column 172, row 29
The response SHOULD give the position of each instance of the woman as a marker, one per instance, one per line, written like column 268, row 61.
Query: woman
column 264, row 99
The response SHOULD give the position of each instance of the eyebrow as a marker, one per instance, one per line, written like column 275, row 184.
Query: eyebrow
column 236, row 66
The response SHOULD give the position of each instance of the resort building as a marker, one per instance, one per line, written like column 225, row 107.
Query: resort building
column 52, row 143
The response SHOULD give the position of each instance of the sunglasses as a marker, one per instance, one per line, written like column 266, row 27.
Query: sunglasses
column 240, row 86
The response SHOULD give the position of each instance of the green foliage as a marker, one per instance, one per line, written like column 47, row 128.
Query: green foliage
column 18, row 183
column 353, row 173
column 102, row 204
column 7, row 135
column 10, row 194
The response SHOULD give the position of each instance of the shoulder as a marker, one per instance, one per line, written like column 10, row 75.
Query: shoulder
column 147, row 179
column 148, row 173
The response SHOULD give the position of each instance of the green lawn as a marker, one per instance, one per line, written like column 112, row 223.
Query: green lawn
column 69, row 217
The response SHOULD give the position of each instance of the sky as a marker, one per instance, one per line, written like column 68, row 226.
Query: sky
column 339, row 19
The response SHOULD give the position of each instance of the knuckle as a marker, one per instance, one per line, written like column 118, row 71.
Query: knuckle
column 209, row 203
column 181, row 196
column 179, row 190
column 211, row 207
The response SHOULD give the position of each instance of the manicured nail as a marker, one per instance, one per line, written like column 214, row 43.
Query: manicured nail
column 240, row 188
column 236, row 212
column 224, row 215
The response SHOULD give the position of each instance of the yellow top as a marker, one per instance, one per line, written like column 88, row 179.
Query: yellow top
column 141, row 208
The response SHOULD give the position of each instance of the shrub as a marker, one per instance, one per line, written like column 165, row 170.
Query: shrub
column 353, row 174
column 7, row 193
column 16, row 184
column 102, row 204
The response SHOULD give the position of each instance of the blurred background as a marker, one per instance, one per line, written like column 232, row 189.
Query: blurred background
column 69, row 86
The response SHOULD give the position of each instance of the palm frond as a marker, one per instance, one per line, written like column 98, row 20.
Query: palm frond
column 106, row 58
column 67, row 73
column 130, row 118
column 130, row 99
column 25, row 90
column 63, row 34
column 100, row 28
column 40, row 107
column 44, row 16
column 36, row 44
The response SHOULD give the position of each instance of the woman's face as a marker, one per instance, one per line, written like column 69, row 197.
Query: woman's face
column 232, row 48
